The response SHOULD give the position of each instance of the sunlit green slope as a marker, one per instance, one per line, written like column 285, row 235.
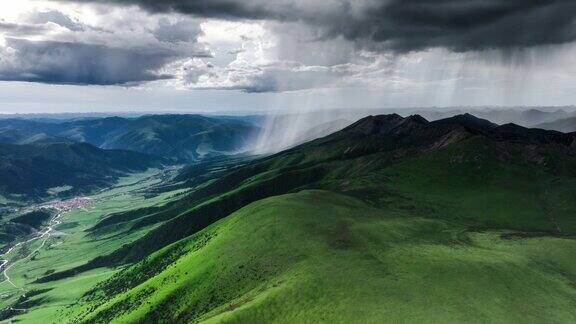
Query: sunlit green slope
column 319, row 256
column 458, row 170
column 390, row 220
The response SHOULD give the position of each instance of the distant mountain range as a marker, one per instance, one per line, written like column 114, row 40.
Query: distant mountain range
column 177, row 138
column 190, row 138
column 285, row 131
column 43, row 170
column 523, row 117
column 562, row 125
column 181, row 138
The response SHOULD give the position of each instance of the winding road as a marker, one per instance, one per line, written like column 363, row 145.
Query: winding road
column 43, row 235
column 61, row 208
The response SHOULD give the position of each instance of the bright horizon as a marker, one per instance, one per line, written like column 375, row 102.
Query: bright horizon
column 272, row 112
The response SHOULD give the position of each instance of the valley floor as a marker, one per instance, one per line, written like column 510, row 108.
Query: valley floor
column 64, row 244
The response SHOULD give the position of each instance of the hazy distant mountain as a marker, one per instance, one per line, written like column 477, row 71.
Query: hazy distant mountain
column 86, row 130
column 523, row 117
column 13, row 136
column 187, row 138
column 31, row 171
column 563, row 125
column 182, row 137
column 179, row 137
column 321, row 130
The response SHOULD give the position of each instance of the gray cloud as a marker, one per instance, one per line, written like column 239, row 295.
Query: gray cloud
column 82, row 64
column 280, row 78
column 403, row 25
column 84, row 55
column 236, row 51
column 56, row 17
column 226, row 9
column 14, row 29
column 271, row 77
column 35, row 23
column 174, row 32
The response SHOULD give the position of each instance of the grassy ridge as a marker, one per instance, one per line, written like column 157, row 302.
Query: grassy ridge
column 320, row 255
column 467, row 182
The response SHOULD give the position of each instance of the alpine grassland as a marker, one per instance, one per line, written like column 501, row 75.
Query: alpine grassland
column 391, row 220
column 329, row 257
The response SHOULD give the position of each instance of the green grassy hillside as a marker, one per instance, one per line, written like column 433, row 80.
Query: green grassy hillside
column 320, row 256
column 389, row 220
column 460, row 170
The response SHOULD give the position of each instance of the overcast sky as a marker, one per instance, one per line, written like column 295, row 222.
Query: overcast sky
column 255, row 55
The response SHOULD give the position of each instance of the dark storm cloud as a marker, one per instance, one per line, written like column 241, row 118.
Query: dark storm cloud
column 403, row 25
column 468, row 25
column 227, row 9
column 82, row 64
